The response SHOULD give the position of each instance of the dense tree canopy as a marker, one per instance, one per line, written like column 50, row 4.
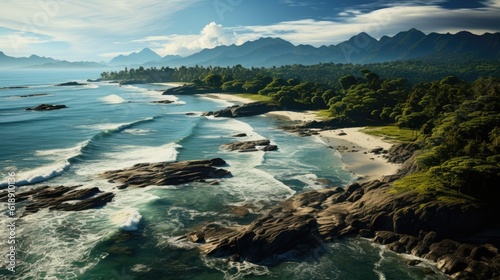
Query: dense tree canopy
column 456, row 118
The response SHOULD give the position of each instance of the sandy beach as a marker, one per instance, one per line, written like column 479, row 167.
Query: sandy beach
column 353, row 145
column 228, row 97
column 305, row 116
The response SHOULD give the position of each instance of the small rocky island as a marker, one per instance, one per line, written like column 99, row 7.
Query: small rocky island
column 162, row 173
column 61, row 198
column 47, row 107
column 70, row 84
column 251, row 146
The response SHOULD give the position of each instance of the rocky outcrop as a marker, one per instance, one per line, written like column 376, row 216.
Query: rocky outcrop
column 162, row 173
column 405, row 222
column 246, row 110
column 251, row 146
column 61, row 198
column 163, row 102
column 33, row 95
column 16, row 87
column 188, row 90
column 70, row 84
column 46, row 107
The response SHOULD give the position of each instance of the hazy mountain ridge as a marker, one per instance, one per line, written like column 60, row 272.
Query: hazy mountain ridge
column 267, row 52
column 142, row 57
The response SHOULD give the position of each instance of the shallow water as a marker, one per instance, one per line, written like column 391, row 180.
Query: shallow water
column 108, row 127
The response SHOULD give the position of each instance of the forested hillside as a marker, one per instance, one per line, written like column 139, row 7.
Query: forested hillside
column 455, row 118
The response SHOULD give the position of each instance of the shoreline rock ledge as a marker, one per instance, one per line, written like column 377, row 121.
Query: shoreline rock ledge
column 163, row 173
column 406, row 222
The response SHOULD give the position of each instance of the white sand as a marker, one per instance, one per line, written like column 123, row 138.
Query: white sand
column 228, row 97
column 352, row 148
column 306, row 116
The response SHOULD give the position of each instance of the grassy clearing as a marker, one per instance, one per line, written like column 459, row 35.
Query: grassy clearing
column 390, row 133
column 323, row 114
column 425, row 183
column 255, row 97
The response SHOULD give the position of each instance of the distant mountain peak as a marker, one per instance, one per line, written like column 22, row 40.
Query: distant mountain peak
column 145, row 55
column 147, row 51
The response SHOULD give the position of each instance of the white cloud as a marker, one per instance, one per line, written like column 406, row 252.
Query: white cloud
column 110, row 27
column 211, row 36
column 86, row 25
column 384, row 21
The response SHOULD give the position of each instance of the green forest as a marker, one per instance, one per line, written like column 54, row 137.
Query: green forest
column 453, row 109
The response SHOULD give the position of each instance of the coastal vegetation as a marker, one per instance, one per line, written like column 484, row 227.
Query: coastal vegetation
column 453, row 118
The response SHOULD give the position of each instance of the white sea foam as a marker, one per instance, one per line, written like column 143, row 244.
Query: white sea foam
column 235, row 126
column 113, row 99
column 39, row 174
column 136, row 131
column 102, row 126
column 127, row 219
column 91, row 86
column 235, row 270
column 65, row 153
column 67, row 239
column 128, row 156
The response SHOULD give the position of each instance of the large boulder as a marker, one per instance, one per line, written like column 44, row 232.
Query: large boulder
column 61, row 198
column 246, row 110
column 188, row 89
column 250, row 146
column 70, row 84
column 46, row 107
column 163, row 173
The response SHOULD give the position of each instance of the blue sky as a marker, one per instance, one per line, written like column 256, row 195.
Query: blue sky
column 94, row 30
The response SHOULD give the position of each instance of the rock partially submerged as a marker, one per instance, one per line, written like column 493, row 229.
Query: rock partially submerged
column 33, row 95
column 162, row 173
column 246, row 110
column 47, row 107
column 70, row 84
column 188, row 90
column 132, row 82
column 163, row 102
column 251, row 146
column 405, row 223
column 61, row 198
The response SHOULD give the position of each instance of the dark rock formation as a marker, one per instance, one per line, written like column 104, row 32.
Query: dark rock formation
column 404, row 222
column 189, row 90
column 61, row 198
column 132, row 82
column 46, row 107
column 240, row 135
column 17, row 87
column 246, row 110
column 162, row 173
column 33, row 95
column 69, row 84
column 94, row 81
column 251, row 146
column 163, row 101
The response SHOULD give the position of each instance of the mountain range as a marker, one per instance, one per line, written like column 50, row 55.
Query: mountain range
column 362, row 48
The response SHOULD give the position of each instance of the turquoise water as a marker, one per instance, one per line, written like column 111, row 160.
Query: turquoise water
column 107, row 127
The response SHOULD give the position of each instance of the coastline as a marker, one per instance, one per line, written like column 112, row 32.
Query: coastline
column 353, row 145
column 227, row 97
column 355, row 149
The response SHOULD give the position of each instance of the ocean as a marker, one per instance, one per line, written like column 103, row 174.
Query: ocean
column 108, row 127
